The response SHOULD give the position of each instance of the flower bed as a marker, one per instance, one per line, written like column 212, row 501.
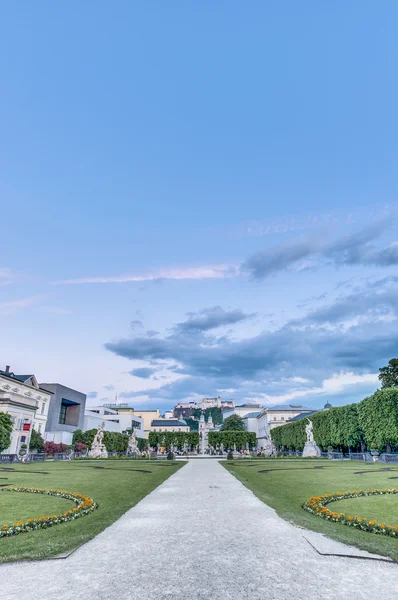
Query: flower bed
column 84, row 506
column 317, row 506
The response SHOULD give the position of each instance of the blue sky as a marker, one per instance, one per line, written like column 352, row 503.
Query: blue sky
column 200, row 198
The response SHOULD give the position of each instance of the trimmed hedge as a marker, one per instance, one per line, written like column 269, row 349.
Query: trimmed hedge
column 374, row 420
column 177, row 438
column 229, row 438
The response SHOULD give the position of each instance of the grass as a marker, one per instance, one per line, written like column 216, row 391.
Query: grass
column 115, row 486
column 286, row 484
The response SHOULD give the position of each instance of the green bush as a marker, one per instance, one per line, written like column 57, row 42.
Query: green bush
column 6, row 425
column 230, row 456
column 36, row 441
column 170, row 456
column 373, row 420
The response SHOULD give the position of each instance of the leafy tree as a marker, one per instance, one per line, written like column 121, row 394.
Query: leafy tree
column 230, row 438
column 378, row 418
column 233, row 423
column 177, row 438
column 193, row 424
column 78, row 436
column 389, row 375
column 36, row 441
column 142, row 444
column 6, row 426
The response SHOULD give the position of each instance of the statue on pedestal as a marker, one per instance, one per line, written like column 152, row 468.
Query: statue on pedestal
column 132, row 447
column 311, row 449
column 98, row 448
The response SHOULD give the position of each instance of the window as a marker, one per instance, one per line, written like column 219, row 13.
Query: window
column 62, row 414
column 39, row 428
column 43, row 406
column 274, row 418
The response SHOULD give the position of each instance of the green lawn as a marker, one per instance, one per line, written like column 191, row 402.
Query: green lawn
column 115, row 485
column 287, row 484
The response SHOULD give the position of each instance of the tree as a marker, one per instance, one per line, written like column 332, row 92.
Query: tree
column 36, row 441
column 192, row 423
column 233, row 423
column 6, row 425
column 389, row 375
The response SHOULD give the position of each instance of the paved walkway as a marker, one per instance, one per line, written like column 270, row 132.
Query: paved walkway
column 200, row 535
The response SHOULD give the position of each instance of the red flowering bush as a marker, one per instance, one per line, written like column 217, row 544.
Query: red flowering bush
column 51, row 448
column 80, row 447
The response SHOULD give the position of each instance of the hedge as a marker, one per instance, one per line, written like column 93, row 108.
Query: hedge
column 374, row 420
column 229, row 438
column 113, row 440
column 177, row 438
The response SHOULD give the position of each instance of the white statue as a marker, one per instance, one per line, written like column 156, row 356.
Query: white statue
column 132, row 447
column 311, row 449
column 309, row 432
column 98, row 448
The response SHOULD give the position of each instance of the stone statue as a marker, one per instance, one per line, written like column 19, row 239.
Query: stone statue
column 309, row 432
column 311, row 449
column 132, row 447
column 98, row 449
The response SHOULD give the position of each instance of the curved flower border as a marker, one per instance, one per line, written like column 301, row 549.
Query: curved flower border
column 317, row 506
column 84, row 506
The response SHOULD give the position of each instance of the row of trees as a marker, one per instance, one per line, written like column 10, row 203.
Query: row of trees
column 373, row 422
column 232, row 438
column 114, row 441
column 178, row 439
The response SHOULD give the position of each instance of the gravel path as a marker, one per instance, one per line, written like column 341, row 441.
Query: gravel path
column 200, row 535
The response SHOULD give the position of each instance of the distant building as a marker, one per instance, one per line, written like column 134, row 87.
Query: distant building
column 186, row 410
column 114, row 421
column 250, row 422
column 280, row 414
column 169, row 425
column 66, row 413
column 23, row 398
column 242, row 410
column 147, row 415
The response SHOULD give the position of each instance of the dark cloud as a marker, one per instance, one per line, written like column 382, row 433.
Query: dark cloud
column 353, row 249
column 92, row 394
column 272, row 260
column 211, row 318
column 143, row 372
column 109, row 387
column 136, row 324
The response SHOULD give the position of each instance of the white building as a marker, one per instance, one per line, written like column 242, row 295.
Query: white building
column 279, row 415
column 169, row 425
column 22, row 397
column 242, row 410
column 114, row 421
column 251, row 422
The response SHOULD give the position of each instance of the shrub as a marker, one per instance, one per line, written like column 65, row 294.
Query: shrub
column 51, row 448
column 230, row 456
column 170, row 456
column 6, row 425
column 36, row 441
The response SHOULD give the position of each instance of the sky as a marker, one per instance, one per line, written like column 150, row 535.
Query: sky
column 200, row 198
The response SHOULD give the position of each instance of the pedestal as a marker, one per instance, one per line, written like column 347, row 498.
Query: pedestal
column 312, row 450
column 98, row 452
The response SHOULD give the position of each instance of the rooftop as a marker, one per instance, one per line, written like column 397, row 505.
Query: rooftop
column 302, row 416
column 252, row 415
column 168, row 423
column 281, row 407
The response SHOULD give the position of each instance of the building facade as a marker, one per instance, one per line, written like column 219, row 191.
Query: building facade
column 114, row 421
column 23, row 398
column 279, row 415
column 147, row 415
column 66, row 413
column 169, row 425
column 242, row 410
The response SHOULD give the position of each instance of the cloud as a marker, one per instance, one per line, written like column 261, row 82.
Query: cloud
column 109, row 387
column 143, row 372
column 275, row 259
column 204, row 272
column 6, row 276
column 353, row 249
column 92, row 394
column 211, row 318
column 336, row 384
column 12, row 306
column 136, row 324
